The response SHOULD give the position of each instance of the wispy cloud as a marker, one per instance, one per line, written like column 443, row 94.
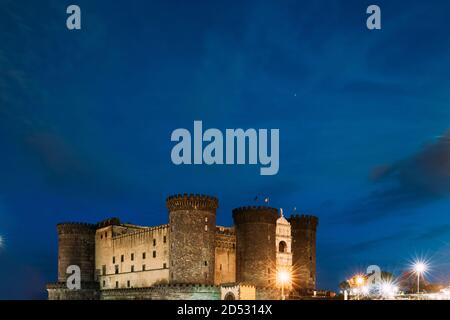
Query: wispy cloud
column 415, row 181
column 67, row 168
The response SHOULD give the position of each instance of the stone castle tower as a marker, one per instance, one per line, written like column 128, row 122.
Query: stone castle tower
column 192, row 221
column 255, row 241
column 303, row 230
column 190, row 257
column 76, row 246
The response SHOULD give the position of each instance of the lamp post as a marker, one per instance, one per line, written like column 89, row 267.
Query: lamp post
column 419, row 268
column 359, row 282
column 283, row 279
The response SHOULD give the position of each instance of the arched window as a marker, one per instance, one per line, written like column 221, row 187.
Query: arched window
column 282, row 246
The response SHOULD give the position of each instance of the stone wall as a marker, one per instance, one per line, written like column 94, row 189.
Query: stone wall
column 164, row 292
column 225, row 251
column 59, row 291
column 268, row 293
column 238, row 292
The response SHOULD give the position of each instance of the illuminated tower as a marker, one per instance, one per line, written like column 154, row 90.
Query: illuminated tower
column 255, row 245
column 283, row 244
column 192, row 220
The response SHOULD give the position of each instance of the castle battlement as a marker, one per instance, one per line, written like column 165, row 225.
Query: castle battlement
column 304, row 221
column 254, row 214
column 255, row 208
column 229, row 243
column 225, row 230
column 92, row 285
column 75, row 228
column 192, row 202
column 140, row 232
column 108, row 222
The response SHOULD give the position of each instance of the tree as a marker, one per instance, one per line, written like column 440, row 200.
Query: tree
column 344, row 285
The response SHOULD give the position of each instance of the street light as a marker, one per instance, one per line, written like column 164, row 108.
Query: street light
column 420, row 268
column 388, row 289
column 359, row 280
column 283, row 278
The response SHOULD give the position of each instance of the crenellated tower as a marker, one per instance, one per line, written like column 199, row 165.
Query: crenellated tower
column 192, row 220
column 76, row 247
column 255, row 243
column 303, row 229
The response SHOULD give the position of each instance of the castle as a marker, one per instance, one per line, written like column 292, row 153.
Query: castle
column 190, row 257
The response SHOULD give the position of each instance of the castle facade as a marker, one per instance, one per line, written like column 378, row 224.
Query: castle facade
column 190, row 257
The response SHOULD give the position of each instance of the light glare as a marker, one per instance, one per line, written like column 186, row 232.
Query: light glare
column 359, row 280
column 283, row 276
column 420, row 267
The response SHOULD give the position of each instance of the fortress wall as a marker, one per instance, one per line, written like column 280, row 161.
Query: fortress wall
column 59, row 291
column 137, row 279
column 129, row 250
column 165, row 292
column 225, row 251
column 247, row 293
column 268, row 294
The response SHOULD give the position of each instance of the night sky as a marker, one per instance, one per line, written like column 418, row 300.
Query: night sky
column 364, row 118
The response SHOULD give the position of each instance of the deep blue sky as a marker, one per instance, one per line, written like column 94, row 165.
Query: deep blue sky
column 86, row 118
